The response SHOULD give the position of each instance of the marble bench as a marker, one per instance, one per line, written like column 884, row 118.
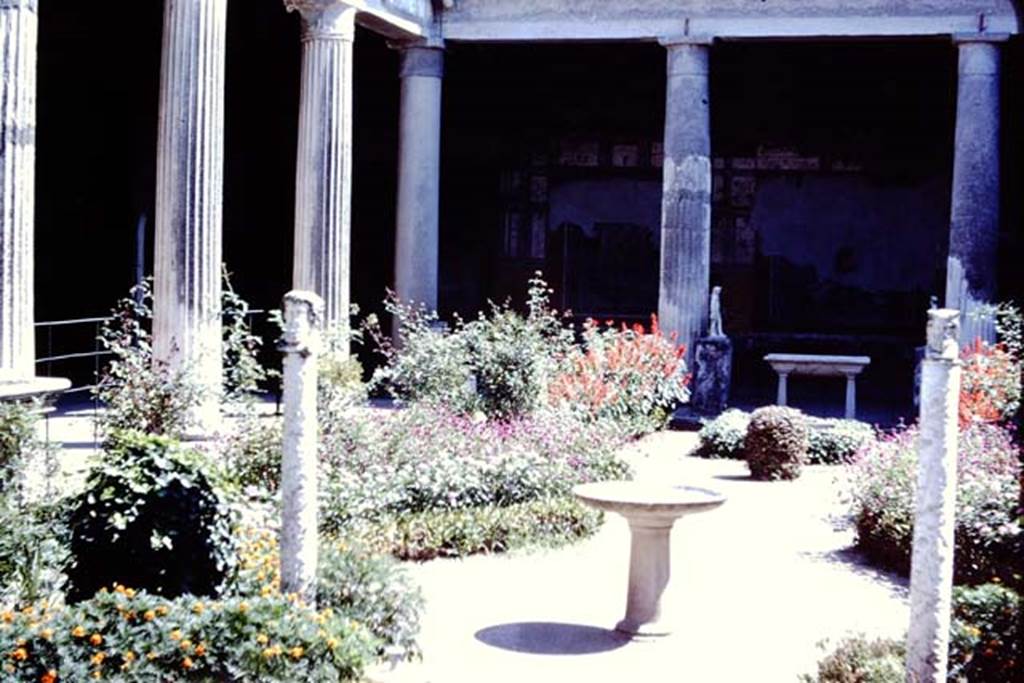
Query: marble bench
column 786, row 364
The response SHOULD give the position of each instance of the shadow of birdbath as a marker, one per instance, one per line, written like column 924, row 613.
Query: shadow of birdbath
column 551, row 638
column 651, row 510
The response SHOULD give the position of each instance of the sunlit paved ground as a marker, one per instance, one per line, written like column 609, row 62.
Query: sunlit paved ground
column 758, row 583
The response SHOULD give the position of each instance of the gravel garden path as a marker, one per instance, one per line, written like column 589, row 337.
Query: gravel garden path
column 761, row 581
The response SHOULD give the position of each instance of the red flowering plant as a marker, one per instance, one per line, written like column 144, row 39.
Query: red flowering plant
column 990, row 385
column 629, row 374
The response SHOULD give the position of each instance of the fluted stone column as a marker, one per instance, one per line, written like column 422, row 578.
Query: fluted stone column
column 18, row 33
column 974, row 212
column 931, row 570
column 686, row 194
column 323, row 180
column 189, row 190
column 419, row 175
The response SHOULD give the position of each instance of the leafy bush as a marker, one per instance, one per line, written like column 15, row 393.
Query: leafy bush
column 242, row 370
column 832, row 442
column 984, row 645
column 547, row 522
column 860, row 660
column 500, row 364
column 627, row 374
column 370, row 589
column 776, row 443
column 253, row 453
column 33, row 552
column 139, row 392
column 985, row 637
column 126, row 635
column 988, row 533
column 150, row 516
column 723, row 436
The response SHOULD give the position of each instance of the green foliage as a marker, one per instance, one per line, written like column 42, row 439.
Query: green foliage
column 861, row 660
column 33, row 552
column 723, row 436
column 151, row 517
column 776, row 443
column 243, row 372
column 132, row 636
column 985, row 637
column 371, row 589
column 547, row 522
column 253, row 453
column 988, row 532
column 139, row 392
column 984, row 645
column 18, row 443
column 500, row 364
column 834, row 442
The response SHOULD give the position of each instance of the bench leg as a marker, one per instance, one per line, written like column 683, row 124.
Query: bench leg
column 782, row 395
column 851, row 397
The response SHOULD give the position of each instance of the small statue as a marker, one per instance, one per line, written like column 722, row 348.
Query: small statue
column 715, row 317
column 933, row 302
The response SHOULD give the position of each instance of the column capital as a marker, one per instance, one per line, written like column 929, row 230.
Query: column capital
column 421, row 60
column 961, row 38
column 687, row 55
column 324, row 19
column 673, row 41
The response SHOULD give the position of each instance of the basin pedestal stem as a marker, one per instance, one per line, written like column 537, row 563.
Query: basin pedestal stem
column 650, row 568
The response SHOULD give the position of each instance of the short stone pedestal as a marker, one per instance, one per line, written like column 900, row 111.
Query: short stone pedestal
column 712, row 375
column 651, row 510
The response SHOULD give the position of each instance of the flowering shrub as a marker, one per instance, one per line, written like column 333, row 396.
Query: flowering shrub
column 631, row 375
column 381, row 471
column 990, row 384
column 370, row 589
column 150, row 515
column 831, row 442
column 775, row 446
column 723, row 437
column 134, row 636
column 858, row 659
column 988, row 534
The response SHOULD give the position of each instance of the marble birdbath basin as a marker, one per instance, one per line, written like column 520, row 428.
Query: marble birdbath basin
column 651, row 509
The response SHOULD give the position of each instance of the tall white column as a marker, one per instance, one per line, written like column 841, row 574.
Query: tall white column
column 419, row 175
column 974, row 210
column 931, row 570
column 323, row 176
column 300, row 343
column 686, row 194
column 189, row 190
column 18, row 36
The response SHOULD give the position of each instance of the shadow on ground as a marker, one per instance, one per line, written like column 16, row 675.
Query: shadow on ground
column 548, row 638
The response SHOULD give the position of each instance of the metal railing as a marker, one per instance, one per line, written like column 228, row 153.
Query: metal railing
column 90, row 362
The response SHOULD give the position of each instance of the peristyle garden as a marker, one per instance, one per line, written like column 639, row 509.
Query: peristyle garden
column 161, row 563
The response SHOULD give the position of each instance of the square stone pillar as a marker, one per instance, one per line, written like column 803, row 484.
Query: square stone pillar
column 974, row 209
column 323, row 175
column 187, row 326
column 19, row 26
column 686, row 193
column 419, row 175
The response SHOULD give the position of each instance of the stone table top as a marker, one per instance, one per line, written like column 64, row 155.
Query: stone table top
column 639, row 498
column 30, row 388
column 814, row 364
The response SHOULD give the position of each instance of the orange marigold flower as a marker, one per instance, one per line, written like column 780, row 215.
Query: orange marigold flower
column 97, row 659
column 175, row 635
column 296, row 652
column 149, row 615
column 200, row 650
column 78, row 632
column 21, row 654
column 186, row 663
column 49, row 677
column 96, row 639
column 186, row 644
